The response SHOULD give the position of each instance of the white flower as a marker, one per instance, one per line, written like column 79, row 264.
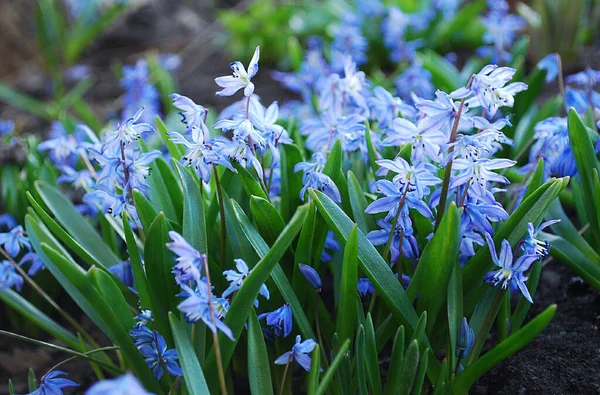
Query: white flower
column 240, row 78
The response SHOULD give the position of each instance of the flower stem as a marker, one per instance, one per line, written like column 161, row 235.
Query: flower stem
column 317, row 324
column 561, row 81
column 464, row 196
column 83, row 355
column 386, row 251
column 48, row 299
column 223, row 224
column 448, row 170
column 214, row 321
column 287, row 366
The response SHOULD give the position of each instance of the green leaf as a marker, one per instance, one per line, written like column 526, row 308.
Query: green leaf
column 315, row 371
column 444, row 74
column 333, row 168
column 523, row 305
column 304, row 253
column 165, row 192
column 392, row 382
column 24, row 102
column 158, row 261
column 267, row 218
column 194, row 221
column 373, row 156
column 524, row 99
column 109, row 290
column 585, row 159
column 360, row 361
column 243, row 302
column 31, row 380
column 346, row 382
column 420, row 378
column 502, row 351
column 435, row 267
column 259, row 374
column 76, row 225
column 146, row 211
column 251, row 186
column 372, row 359
column 192, row 372
column 409, row 368
column 348, row 304
column 359, row 203
column 279, row 277
column 371, row 263
column 328, row 376
column 39, row 234
column 536, row 180
column 37, row 317
column 176, row 150
column 577, row 261
column 455, row 309
column 137, row 267
column 118, row 334
column 291, row 182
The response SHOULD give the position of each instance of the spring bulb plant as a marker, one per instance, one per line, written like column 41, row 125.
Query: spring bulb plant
column 286, row 247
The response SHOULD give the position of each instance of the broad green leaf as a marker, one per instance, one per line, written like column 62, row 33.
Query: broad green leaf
column 483, row 318
column 267, row 218
column 259, row 374
column 577, row 261
column 372, row 359
column 32, row 381
column 359, row 203
column 304, row 253
column 158, row 261
column 420, row 378
column 444, row 74
column 585, row 159
column 76, row 225
column 194, row 221
column 176, row 150
column 373, row 155
column 37, row 317
column 523, row 100
column 392, row 382
column 345, row 379
column 165, row 192
column 348, row 304
column 291, row 182
column 109, row 290
column 235, row 234
column 243, row 302
column 315, row 370
column 25, row 102
column 536, row 180
column 145, row 210
column 436, row 264
column 192, row 372
column 409, row 368
column 371, row 263
column 251, row 186
column 455, row 309
column 505, row 349
column 333, row 168
column 277, row 273
column 328, row 376
column 39, row 234
column 137, row 267
column 116, row 331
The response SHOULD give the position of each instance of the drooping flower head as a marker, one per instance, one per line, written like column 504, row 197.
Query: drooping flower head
column 279, row 320
column 52, row 384
column 299, row 353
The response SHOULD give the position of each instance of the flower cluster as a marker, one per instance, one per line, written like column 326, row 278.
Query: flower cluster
column 502, row 28
column 139, row 92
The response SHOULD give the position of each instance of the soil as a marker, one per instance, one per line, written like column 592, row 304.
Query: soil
column 564, row 359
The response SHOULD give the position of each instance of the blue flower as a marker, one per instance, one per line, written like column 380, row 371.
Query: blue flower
column 416, row 179
column 192, row 114
column 365, row 287
column 144, row 317
column 389, row 203
column 124, row 272
column 6, row 126
column 78, row 179
column 139, row 93
column 425, row 143
column 51, row 384
column 479, row 172
column 9, row 276
column 280, row 320
column 236, row 278
column 265, row 121
column 415, row 80
column 441, row 113
column 61, row 146
column 243, row 129
column 124, row 385
column 552, row 144
column 300, row 353
column 15, row 240
column 142, row 335
column 384, row 107
column 8, row 221
column 502, row 28
column 510, row 273
column 550, row 64
column 189, row 262
column 311, row 275
column 196, row 307
column 157, row 355
column 489, row 88
column 314, row 178
column 587, row 78
column 531, row 245
column 349, row 41
column 465, row 340
column 477, row 215
column 239, row 151
column 36, row 262
column 240, row 78
column 130, row 130
column 576, row 98
column 330, row 244
column 402, row 238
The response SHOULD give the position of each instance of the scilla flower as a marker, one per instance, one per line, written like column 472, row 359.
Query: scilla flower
column 188, row 262
column 130, row 130
column 9, row 276
column 314, row 178
column 196, row 307
column 489, row 88
column 236, row 278
column 157, row 355
column 52, row 384
column 14, row 241
column 311, row 275
column 279, row 320
column 300, row 353
column 240, row 78
column 510, row 273
column 532, row 245
column 192, row 114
